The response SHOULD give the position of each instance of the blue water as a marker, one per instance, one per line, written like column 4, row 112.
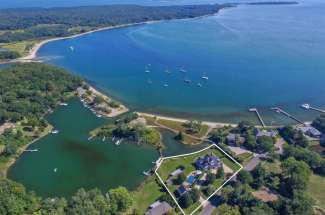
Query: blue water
column 259, row 56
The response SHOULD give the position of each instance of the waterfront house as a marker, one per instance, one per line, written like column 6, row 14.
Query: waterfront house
column 262, row 133
column 234, row 139
column 208, row 162
column 310, row 131
column 158, row 208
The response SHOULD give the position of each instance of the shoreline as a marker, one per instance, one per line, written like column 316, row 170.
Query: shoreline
column 13, row 160
column 183, row 120
column 115, row 111
column 32, row 54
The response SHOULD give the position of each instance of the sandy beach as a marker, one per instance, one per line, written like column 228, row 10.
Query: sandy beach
column 210, row 124
column 115, row 111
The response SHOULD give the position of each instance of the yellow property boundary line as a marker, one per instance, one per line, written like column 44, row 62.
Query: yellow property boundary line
column 159, row 162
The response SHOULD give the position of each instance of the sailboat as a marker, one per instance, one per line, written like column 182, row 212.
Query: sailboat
column 188, row 81
column 205, row 77
column 182, row 70
column 147, row 70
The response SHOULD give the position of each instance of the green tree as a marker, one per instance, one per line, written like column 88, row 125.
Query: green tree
column 55, row 206
column 186, row 200
column 319, row 123
column 300, row 203
column 245, row 177
column 296, row 174
column 195, row 194
column 180, row 178
column 225, row 209
column 14, row 200
column 265, row 144
column 220, row 172
column 120, row 199
column 210, row 178
column 179, row 136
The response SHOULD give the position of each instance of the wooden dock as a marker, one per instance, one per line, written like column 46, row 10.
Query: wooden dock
column 279, row 110
column 31, row 150
column 258, row 115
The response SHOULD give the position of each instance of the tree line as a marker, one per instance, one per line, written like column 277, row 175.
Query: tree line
column 15, row 200
column 55, row 22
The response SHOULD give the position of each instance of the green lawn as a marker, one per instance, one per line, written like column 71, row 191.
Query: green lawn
column 180, row 127
column 316, row 189
column 22, row 47
column 146, row 194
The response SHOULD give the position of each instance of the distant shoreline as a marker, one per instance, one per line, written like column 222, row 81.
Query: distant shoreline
column 32, row 54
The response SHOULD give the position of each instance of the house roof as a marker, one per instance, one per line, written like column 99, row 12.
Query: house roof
column 208, row 161
column 181, row 190
column 260, row 133
column 176, row 172
column 231, row 137
column 159, row 209
column 155, row 204
column 310, row 129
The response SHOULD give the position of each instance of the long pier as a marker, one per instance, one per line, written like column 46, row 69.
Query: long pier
column 258, row 116
column 309, row 107
column 279, row 110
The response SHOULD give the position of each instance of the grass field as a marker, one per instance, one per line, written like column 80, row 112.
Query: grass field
column 179, row 126
column 316, row 188
column 244, row 158
column 21, row 47
column 146, row 194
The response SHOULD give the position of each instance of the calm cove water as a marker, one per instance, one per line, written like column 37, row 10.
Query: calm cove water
column 82, row 163
column 259, row 56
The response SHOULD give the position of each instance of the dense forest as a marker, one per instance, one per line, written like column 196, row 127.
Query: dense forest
column 40, row 22
column 7, row 54
column 15, row 200
column 33, row 89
